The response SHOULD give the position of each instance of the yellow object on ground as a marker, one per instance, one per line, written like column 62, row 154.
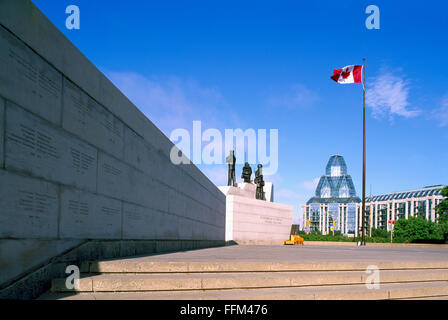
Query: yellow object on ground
column 294, row 240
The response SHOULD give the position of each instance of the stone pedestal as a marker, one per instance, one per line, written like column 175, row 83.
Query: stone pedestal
column 249, row 190
column 249, row 220
column 246, row 190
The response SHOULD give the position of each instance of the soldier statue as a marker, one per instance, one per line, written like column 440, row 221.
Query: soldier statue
column 231, row 181
column 247, row 173
column 260, row 183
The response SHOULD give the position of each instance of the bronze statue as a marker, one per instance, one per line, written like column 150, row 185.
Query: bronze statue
column 247, row 172
column 231, row 181
column 260, row 183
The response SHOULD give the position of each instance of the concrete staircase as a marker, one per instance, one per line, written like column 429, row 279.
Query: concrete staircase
column 127, row 279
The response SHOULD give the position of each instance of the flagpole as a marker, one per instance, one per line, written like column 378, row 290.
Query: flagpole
column 370, row 214
column 363, row 220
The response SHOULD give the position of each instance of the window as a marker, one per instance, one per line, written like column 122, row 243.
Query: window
column 335, row 171
column 344, row 191
column 326, row 193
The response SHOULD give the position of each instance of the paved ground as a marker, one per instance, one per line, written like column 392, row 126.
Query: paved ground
column 313, row 253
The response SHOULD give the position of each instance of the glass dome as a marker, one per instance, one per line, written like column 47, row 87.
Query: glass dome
column 336, row 185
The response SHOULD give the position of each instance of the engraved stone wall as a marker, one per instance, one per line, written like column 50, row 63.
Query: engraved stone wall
column 78, row 160
column 36, row 147
column 28, row 80
column 29, row 207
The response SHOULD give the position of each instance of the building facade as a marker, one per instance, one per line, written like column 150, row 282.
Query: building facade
column 335, row 206
column 402, row 205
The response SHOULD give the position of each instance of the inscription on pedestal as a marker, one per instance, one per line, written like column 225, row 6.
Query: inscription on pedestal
column 28, row 80
column 29, row 207
column 86, row 118
column 271, row 220
column 36, row 148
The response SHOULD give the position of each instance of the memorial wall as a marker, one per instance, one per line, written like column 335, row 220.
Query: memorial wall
column 78, row 160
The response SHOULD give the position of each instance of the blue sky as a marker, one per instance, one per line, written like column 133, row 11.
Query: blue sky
column 266, row 64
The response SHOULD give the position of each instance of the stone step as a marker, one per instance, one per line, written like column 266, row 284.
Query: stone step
column 414, row 290
column 431, row 298
column 212, row 281
column 137, row 266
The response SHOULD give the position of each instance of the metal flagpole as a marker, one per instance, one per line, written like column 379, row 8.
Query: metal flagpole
column 370, row 213
column 363, row 220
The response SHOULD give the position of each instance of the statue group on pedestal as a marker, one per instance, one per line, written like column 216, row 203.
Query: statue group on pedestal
column 246, row 175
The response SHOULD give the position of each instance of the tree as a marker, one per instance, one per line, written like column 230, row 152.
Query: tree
column 442, row 210
column 415, row 229
column 380, row 233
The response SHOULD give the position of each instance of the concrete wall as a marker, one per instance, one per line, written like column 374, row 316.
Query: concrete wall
column 78, row 160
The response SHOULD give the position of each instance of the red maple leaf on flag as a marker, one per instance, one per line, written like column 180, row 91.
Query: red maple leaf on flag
column 345, row 73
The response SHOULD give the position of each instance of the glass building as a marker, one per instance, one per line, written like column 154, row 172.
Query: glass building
column 335, row 204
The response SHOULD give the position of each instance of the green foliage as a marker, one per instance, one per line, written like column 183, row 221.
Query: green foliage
column 340, row 237
column 336, row 233
column 375, row 239
column 416, row 229
column 319, row 237
column 380, row 233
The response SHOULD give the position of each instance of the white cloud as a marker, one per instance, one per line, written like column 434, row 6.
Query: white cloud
column 441, row 113
column 298, row 96
column 388, row 94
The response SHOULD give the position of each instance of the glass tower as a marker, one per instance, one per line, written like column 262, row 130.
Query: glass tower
column 333, row 208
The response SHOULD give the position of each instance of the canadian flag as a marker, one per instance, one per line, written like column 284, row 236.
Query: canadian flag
column 348, row 74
